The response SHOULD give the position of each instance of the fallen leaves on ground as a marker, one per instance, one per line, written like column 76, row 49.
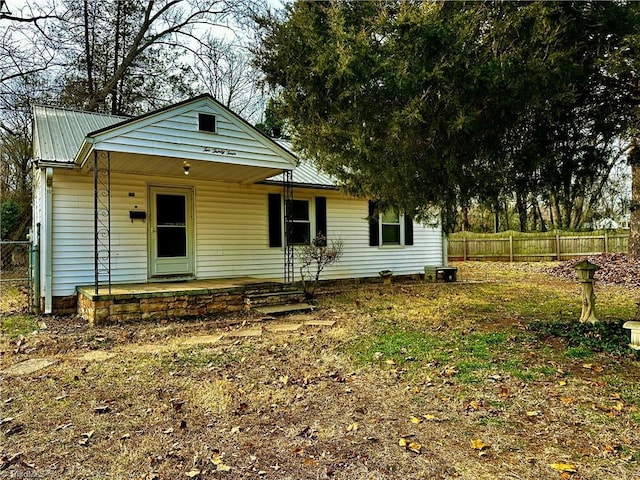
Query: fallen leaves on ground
column 563, row 467
column 414, row 447
column 615, row 269
column 478, row 444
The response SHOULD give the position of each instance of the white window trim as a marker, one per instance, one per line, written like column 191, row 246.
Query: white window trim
column 391, row 245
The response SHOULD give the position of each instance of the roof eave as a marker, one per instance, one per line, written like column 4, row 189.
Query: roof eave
column 315, row 186
column 53, row 163
column 83, row 153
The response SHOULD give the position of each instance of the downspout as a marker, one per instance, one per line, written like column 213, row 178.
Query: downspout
column 46, row 251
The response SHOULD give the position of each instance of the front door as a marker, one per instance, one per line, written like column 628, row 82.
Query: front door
column 171, row 232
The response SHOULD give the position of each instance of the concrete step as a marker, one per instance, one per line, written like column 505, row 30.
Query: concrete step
column 283, row 309
column 267, row 287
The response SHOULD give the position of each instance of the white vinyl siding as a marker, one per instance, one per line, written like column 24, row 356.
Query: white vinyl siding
column 347, row 219
column 231, row 232
column 175, row 133
column 73, row 238
column 36, row 204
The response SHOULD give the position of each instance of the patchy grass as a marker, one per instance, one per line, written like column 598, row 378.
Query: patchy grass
column 499, row 358
column 14, row 326
column 13, row 298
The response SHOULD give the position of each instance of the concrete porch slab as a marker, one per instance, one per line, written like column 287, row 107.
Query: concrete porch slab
column 159, row 288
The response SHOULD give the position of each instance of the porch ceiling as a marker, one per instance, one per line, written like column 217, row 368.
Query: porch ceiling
column 155, row 165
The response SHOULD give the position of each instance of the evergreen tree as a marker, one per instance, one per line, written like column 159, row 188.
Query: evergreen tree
column 430, row 103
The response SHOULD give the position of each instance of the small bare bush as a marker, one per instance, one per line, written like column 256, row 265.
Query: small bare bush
column 313, row 259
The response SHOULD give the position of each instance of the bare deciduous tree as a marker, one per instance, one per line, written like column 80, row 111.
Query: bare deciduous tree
column 224, row 68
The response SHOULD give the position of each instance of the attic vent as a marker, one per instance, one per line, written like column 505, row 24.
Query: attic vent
column 206, row 122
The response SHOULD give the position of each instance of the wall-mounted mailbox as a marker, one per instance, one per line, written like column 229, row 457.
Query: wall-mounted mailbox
column 137, row 215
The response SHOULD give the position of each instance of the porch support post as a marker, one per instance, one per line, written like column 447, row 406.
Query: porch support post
column 96, row 275
column 289, row 270
column 102, row 219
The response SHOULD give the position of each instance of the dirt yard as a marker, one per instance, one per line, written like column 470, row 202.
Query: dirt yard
column 487, row 378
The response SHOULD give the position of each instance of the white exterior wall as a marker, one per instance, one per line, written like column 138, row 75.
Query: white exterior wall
column 231, row 232
column 37, row 214
column 347, row 219
column 36, row 202
column 174, row 133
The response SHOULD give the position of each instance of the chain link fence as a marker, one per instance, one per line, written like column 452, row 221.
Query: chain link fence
column 15, row 276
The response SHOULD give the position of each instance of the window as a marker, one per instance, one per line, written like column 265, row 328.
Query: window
column 300, row 222
column 303, row 215
column 206, row 122
column 391, row 228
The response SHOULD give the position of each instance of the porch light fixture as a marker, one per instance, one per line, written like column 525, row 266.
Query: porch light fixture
column 186, row 167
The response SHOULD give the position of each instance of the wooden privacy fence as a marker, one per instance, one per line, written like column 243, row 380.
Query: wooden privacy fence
column 533, row 249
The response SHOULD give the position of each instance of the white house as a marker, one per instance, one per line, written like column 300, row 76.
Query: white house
column 193, row 192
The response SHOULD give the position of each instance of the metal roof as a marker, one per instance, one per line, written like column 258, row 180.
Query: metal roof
column 306, row 173
column 58, row 132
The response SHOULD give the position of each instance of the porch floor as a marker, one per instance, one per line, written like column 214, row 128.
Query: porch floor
column 160, row 289
column 148, row 301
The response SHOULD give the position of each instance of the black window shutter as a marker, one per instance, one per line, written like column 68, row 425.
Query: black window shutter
column 275, row 220
column 408, row 230
column 374, row 233
column 321, row 216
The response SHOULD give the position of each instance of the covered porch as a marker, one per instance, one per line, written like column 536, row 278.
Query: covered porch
column 151, row 301
column 197, row 141
column 171, row 190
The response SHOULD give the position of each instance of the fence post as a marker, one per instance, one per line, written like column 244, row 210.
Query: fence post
column 558, row 247
column 606, row 243
column 511, row 248
column 464, row 249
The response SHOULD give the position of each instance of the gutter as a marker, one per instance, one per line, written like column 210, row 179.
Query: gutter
column 53, row 164
column 315, row 186
column 85, row 151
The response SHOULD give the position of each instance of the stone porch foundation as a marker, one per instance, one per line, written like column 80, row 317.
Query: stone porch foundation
column 132, row 303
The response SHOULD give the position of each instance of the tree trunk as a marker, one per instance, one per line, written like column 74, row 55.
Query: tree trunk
column 557, row 222
column 578, row 209
column 543, row 226
column 507, row 217
column 465, row 217
column 88, row 50
column 634, row 236
column 521, row 205
column 116, row 57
